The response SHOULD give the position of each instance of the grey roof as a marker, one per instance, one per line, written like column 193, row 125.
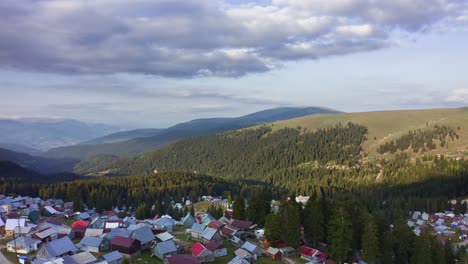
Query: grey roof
column 94, row 232
column 114, row 255
column 209, row 233
column 165, row 221
column 188, row 217
column 167, row 246
column 24, row 241
column 164, row 236
column 90, row 241
column 198, row 228
column 143, row 234
column 249, row 247
column 83, row 258
column 238, row 260
column 60, row 246
column 85, row 215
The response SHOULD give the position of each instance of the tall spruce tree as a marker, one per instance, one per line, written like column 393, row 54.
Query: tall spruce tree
column 291, row 219
column 387, row 247
column 273, row 228
column 314, row 222
column 238, row 208
column 404, row 238
column 340, row 233
column 422, row 251
column 370, row 241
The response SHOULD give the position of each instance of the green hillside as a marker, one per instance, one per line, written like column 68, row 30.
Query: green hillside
column 385, row 126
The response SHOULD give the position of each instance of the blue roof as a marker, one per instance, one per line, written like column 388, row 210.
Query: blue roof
column 198, row 228
column 60, row 246
column 167, row 246
column 143, row 234
column 209, row 233
column 114, row 255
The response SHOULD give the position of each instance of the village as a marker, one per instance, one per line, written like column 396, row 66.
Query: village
column 51, row 232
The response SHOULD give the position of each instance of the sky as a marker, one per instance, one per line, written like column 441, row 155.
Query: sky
column 155, row 63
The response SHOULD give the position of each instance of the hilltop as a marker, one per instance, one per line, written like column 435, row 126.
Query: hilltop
column 385, row 126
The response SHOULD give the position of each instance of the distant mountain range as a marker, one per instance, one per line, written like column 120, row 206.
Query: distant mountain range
column 36, row 163
column 39, row 134
column 139, row 141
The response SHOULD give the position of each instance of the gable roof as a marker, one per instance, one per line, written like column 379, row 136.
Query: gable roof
column 197, row 228
column 188, row 217
column 207, row 219
column 80, row 223
column 118, row 232
column 309, row 251
column 273, row 251
column 229, row 230
column 164, row 236
column 167, row 246
column 83, row 258
column 60, row 246
column 12, row 223
column 249, row 247
column 94, row 232
column 212, row 246
column 45, row 233
column 123, row 241
column 209, row 233
column 241, row 224
column 90, row 241
column 114, row 255
column 143, row 234
column 24, row 241
column 238, row 260
column 197, row 249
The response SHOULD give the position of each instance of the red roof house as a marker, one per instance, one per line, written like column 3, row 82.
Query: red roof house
column 200, row 252
column 125, row 245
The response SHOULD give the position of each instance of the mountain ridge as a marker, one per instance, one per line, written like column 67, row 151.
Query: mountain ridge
column 188, row 129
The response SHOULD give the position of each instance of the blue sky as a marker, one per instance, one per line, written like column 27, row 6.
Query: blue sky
column 143, row 63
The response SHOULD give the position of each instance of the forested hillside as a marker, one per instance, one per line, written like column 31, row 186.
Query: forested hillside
column 180, row 131
column 252, row 154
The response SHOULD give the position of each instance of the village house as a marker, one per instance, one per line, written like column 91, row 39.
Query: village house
column 211, row 234
column 219, row 250
column 126, row 245
column 201, row 253
column 164, row 249
column 23, row 245
column 188, row 221
column 239, row 260
column 243, row 225
column 11, row 224
column 145, row 236
column 207, row 219
column 46, row 234
column 57, row 248
column 236, row 241
column 243, row 254
column 93, row 244
column 229, row 231
column 313, row 255
column 165, row 222
column 253, row 249
column 274, row 253
column 196, row 231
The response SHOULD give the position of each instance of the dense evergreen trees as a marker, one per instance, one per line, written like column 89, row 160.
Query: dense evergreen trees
column 238, row 208
column 420, row 140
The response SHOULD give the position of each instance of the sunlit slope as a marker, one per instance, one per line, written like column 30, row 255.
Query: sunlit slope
column 388, row 125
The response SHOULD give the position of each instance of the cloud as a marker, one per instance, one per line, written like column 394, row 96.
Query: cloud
column 458, row 96
column 190, row 38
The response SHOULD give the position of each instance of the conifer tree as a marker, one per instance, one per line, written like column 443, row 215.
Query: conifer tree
column 422, row 251
column 339, row 233
column 387, row 247
column 273, row 228
column 238, row 208
column 370, row 241
column 314, row 222
column 291, row 219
